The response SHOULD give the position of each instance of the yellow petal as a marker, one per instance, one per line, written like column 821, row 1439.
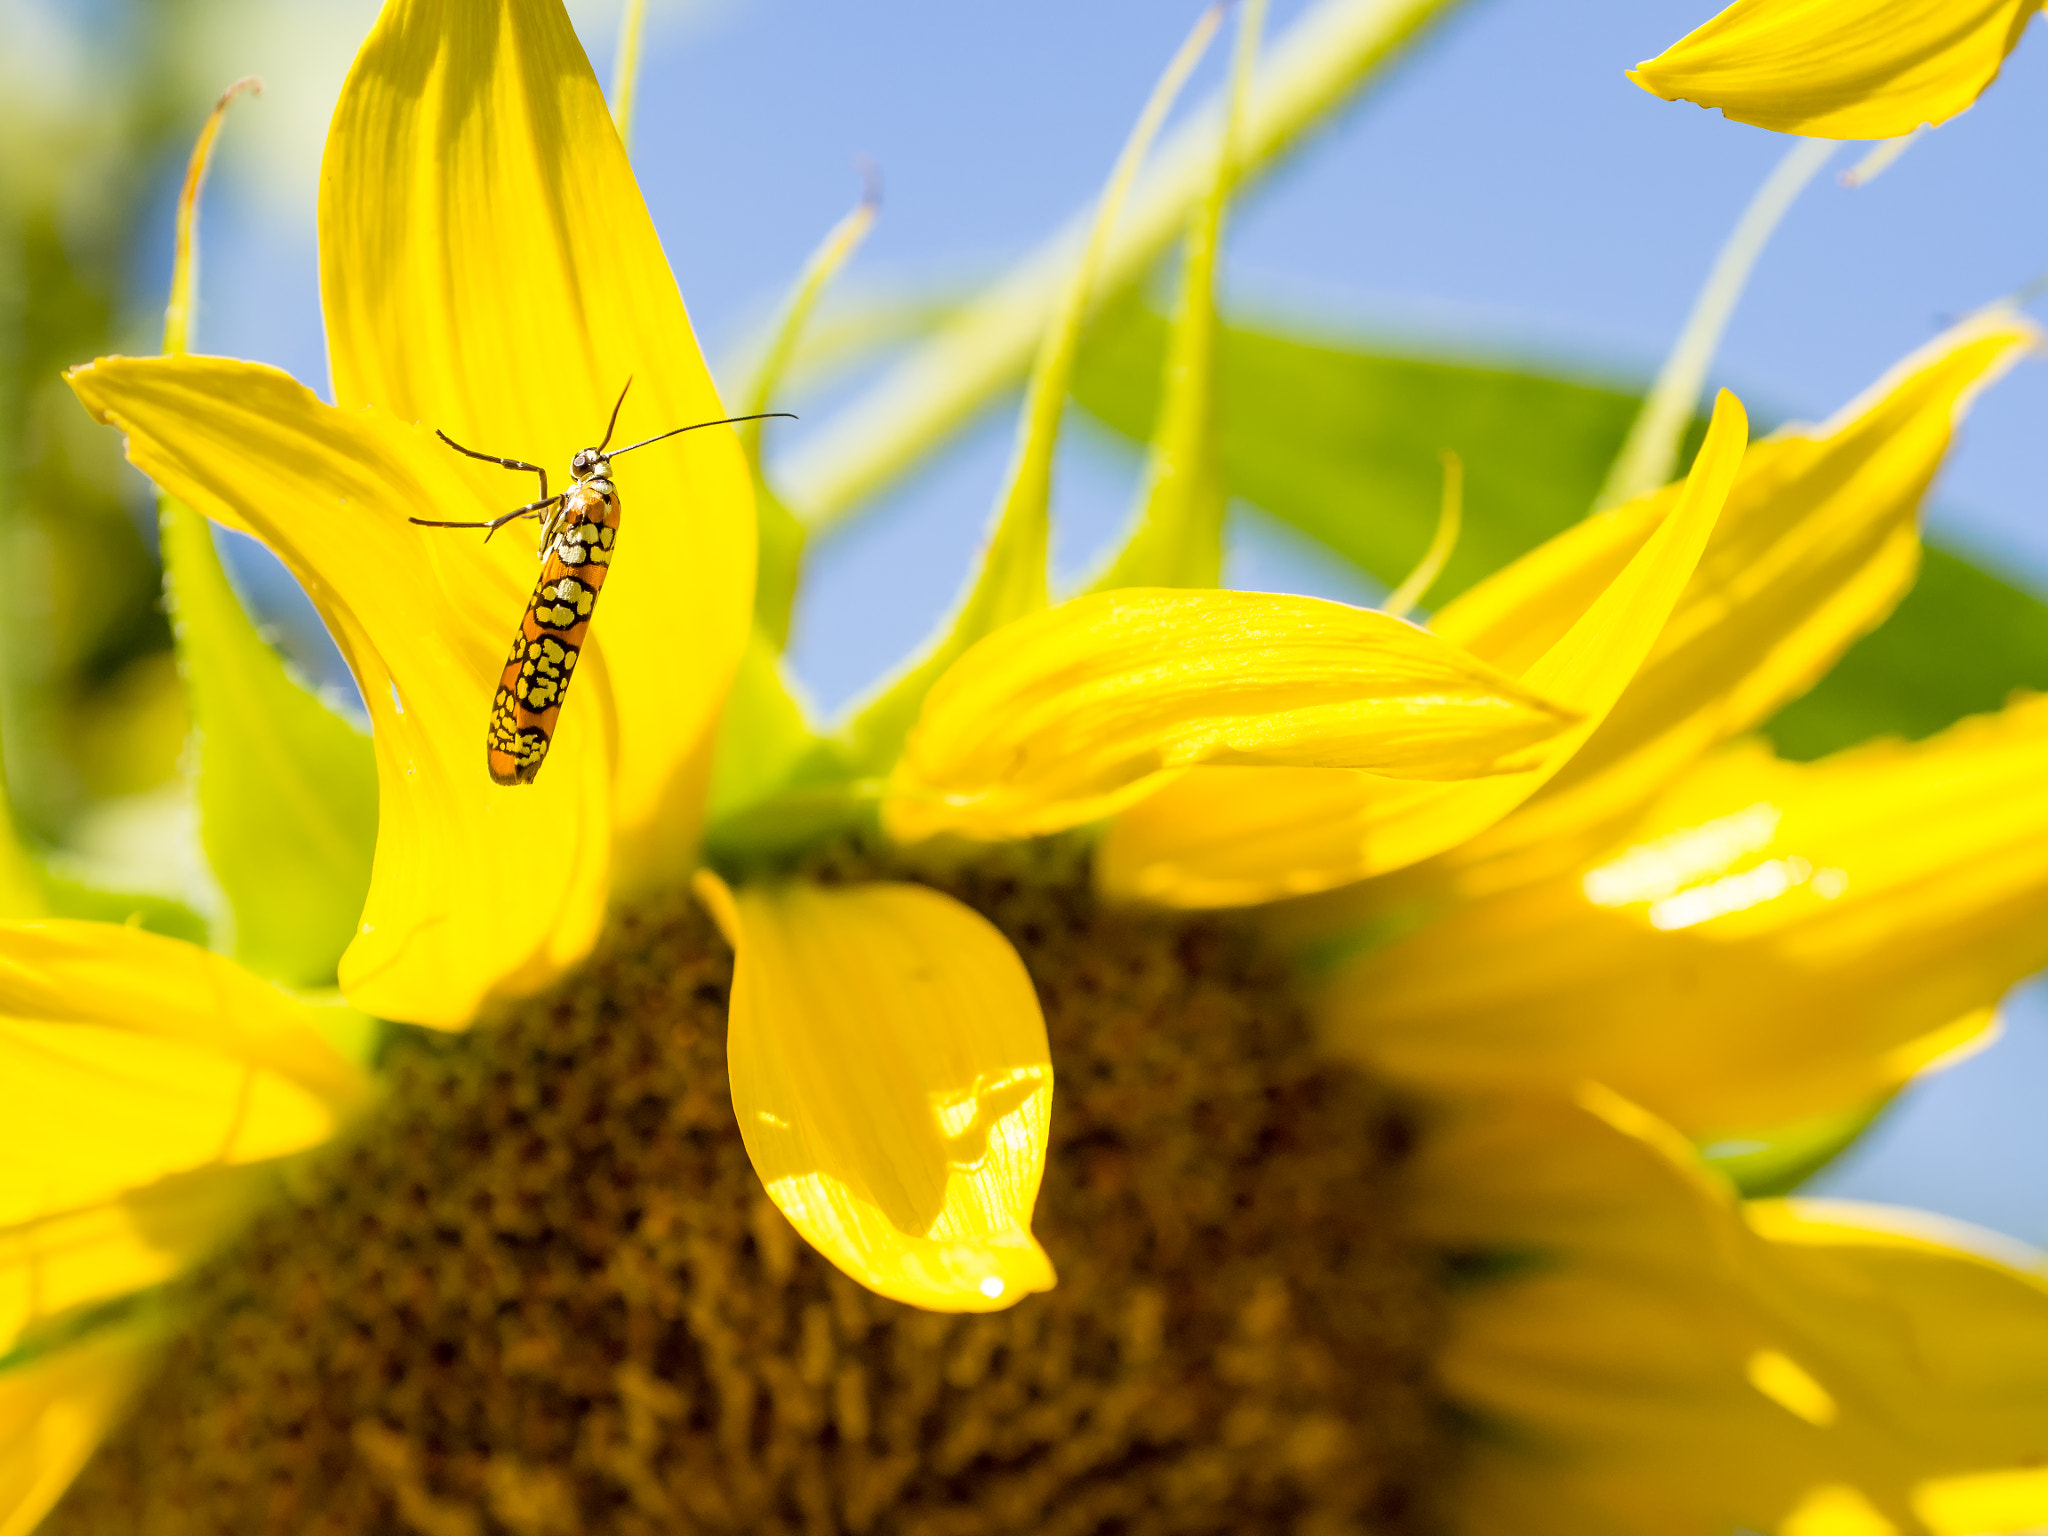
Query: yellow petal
column 1663, row 1360
column 893, row 1084
column 56, row 1408
column 488, row 268
column 1219, row 837
column 1840, row 69
column 1977, row 1502
column 60, row 1263
column 474, row 888
column 1073, row 713
column 1771, row 942
column 1816, row 546
column 145, row 1077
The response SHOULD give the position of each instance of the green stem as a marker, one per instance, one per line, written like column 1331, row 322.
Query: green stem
column 1317, row 67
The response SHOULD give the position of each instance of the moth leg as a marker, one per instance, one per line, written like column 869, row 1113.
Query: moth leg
column 531, row 509
column 492, row 458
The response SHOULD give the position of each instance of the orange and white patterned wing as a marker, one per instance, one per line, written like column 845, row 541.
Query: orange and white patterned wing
column 543, row 660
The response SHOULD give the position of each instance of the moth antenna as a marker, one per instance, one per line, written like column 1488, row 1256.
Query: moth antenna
column 723, row 421
column 613, row 425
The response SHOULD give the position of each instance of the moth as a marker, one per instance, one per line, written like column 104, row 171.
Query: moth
column 579, row 529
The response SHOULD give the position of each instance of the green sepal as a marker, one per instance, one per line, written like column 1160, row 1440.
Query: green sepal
column 777, row 787
column 764, row 736
column 1009, row 584
column 146, row 1308
column 357, row 1037
column 66, row 896
column 1010, row 579
column 1342, row 442
column 778, row 569
column 1176, row 539
column 287, row 787
column 771, row 835
column 1770, row 1163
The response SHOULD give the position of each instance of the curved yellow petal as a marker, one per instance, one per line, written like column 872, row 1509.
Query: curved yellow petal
column 1219, row 837
column 146, row 1079
column 57, row 1264
column 1074, row 712
column 474, row 888
column 893, row 1084
column 56, row 1408
column 130, row 1056
column 1770, row 942
column 1840, row 69
column 1817, row 544
column 488, row 267
column 1663, row 1360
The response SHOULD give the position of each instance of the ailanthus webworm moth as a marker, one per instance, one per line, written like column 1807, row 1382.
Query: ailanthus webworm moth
column 577, row 532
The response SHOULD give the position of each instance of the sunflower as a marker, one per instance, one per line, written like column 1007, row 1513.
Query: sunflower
column 728, row 1213
column 1841, row 69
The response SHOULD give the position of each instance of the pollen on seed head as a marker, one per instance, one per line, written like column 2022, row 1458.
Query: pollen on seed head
column 543, row 1291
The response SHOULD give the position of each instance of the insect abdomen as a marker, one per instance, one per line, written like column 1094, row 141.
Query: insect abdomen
column 543, row 661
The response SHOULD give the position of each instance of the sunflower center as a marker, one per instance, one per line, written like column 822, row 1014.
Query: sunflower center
column 543, row 1294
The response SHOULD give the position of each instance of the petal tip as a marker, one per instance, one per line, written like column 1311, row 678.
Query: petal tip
column 716, row 898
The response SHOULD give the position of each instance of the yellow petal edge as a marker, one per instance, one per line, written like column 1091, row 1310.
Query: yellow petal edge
column 150, row 1085
column 474, row 889
column 55, row 1410
column 488, row 267
column 1233, row 836
column 1075, row 712
column 1841, row 69
column 1804, row 936
column 1818, row 542
column 1668, row 1359
column 893, row 1084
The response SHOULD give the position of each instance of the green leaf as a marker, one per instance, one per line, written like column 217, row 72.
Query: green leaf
column 1341, row 444
column 287, row 788
column 30, row 888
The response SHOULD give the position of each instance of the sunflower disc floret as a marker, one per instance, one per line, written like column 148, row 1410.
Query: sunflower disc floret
column 543, row 1291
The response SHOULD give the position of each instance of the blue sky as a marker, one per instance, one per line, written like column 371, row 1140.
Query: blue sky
column 1507, row 189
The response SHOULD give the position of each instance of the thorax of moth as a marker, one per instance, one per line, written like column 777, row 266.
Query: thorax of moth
column 589, row 498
